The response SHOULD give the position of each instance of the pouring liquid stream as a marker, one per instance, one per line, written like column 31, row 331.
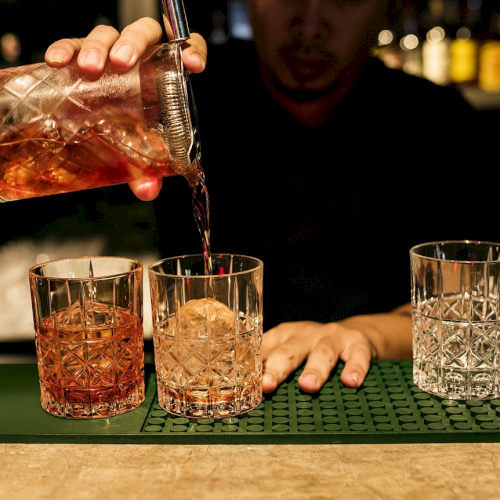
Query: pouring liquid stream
column 201, row 209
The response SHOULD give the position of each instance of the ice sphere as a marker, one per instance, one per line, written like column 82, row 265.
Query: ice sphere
column 202, row 318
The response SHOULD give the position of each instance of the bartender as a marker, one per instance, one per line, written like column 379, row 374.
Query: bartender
column 322, row 162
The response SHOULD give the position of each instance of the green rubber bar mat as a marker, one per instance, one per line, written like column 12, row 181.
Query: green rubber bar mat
column 388, row 408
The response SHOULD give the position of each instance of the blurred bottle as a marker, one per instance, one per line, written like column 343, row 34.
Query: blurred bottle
column 437, row 45
column 10, row 50
column 387, row 49
column 237, row 19
column 218, row 34
column 489, row 55
column 410, row 45
column 464, row 57
column 465, row 45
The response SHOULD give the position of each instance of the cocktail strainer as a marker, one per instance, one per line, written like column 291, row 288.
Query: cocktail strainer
column 178, row 117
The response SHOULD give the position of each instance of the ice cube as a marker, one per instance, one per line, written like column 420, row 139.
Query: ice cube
column 21, row 84
column 70, row 317
column 93, row 315
column 142, row 146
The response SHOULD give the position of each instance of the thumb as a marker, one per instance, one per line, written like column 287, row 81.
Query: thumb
column 147, row 188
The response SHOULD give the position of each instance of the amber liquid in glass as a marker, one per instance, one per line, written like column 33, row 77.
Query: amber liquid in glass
column 91, row 372
column 211, row 376
column 49, row 158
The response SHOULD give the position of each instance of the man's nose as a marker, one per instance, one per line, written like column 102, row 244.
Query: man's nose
column 312, row 22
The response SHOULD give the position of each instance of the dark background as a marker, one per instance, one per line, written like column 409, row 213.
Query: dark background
column 126, row 224
column 40, row 22
column 115, row 212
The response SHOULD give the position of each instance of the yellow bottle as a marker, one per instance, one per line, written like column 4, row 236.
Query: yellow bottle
column 489, row 66
column 464, row 57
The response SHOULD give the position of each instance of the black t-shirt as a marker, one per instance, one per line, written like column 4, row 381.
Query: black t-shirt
column 332, row 211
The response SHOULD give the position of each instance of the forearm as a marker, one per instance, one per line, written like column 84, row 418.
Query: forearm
column 389, row 333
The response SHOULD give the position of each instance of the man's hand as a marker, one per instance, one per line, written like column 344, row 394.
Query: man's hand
column 124, row 50
column 355, row 341
column 285, row 348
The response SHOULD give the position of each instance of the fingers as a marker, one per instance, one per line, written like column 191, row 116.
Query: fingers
column 320, row 362
column 94, row 49
column 134, row 41
column 194, row 54
column 285, row 348
column 147, row 188
column 61, row 52
column 357, row 357
column 123, row 49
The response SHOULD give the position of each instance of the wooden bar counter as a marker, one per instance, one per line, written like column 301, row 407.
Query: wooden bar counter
column 357, row 471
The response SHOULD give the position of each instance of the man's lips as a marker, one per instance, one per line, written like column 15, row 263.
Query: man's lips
column 306, row 61
column 306, row 67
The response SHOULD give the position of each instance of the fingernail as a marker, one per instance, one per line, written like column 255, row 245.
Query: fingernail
column 92, row 58
column 268, row 379
column 57, row 57
column 124, row 53
column 311, row 378
column 355, row 378
column 198, row 59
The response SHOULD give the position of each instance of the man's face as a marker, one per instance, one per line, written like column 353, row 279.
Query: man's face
column 312, row 45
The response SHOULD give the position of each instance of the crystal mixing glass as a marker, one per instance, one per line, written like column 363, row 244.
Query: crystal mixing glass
column 62, row 131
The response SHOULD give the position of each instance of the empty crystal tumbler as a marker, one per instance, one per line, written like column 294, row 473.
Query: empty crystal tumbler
column 87, row 314
column 61, row 130
column 455, row 309
column 207, row 333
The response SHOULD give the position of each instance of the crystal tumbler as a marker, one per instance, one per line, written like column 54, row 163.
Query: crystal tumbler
column 89, row 340
column 207, row 334
column 455, row 309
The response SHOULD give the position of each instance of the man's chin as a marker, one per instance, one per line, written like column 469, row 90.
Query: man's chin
column 301, row 89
